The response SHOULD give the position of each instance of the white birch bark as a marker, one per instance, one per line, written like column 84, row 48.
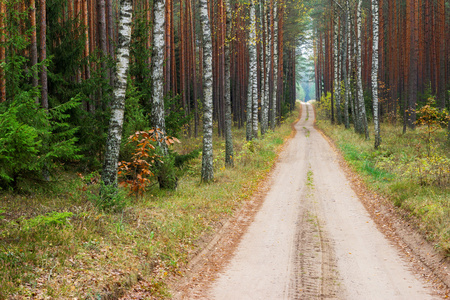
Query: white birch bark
column 158, row 115
column 375, row 72
column 264, row 69
column 229, row 153
column 360, row 97
column 207, row 156
column 109, row 174
column 252, row 93
column 337, row 82
column 275, row 66
column 345, row 77
column 254, row 73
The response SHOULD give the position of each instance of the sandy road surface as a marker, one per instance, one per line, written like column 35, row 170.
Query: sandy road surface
column 312, row 238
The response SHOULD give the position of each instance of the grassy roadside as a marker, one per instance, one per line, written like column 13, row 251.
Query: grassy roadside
column 403, row 172
column 55, row 244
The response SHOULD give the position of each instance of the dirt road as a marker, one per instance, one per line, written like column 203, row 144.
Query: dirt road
column 312, row 238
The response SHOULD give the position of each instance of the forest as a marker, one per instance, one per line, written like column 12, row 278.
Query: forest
column 112, row 112
column 134, row 128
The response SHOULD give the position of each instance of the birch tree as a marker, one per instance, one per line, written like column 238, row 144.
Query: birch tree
column 229, row 155
column 345, row 29
column 275, row 66
column 158, row 118
column 359, row 88
column 337, row 82
column 265, row 67
column 252, row 79
column 254, row 74
column 375, row 72
column 109, row 174
column 207, row 156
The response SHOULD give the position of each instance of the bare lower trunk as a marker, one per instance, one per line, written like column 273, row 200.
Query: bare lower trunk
column 229, row 155
column 275, row 66
column 337, row 82
column 375, row 72
column 43, row 33
column 207, row 156
column 158, row 117
column 109, row 175
column 359, row 88
column 345, row 76
column 265, row 102
column 252, row 84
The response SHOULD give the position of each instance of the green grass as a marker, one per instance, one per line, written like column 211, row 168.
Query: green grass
column 402, row 171
column 55, row 243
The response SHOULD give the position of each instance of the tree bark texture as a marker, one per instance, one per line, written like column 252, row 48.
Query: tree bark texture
column 252, row 84
column 360, row 96
column 207, row 174
column 275, row 67
column 229, row 153
column 109, row 174
column 158, row 113
column 43, row 36
column 375, row 23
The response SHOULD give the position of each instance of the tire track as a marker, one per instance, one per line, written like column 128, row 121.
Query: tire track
column 314, row 273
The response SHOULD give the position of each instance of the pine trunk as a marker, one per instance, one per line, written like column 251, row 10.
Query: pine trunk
column 229, row 155
column 43, row 36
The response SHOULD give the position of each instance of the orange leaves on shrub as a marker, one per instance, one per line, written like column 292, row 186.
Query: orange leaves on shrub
column 136, row 174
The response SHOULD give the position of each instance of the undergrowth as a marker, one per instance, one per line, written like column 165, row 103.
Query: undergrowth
column 57, row 242
column 406, row 170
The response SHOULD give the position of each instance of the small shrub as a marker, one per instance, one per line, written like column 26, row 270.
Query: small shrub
column 136, row 174
column 110, row 198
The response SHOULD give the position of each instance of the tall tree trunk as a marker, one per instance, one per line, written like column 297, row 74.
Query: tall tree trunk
column 229, row 155
column 207, row 156
column 252, row 92
column 345, row 77
column 412, row 94
column 375, row 72
column 254, row 74
column 109, row 10
column 43, row 33
column 34, row 54
column 337, row 81
column 158, row 115
column 109, row 174
column 275, row 66
column 102, row 36
column 360, row 97
column 265, row 67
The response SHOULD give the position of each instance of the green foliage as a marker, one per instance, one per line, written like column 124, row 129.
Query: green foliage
column 176, row 116
column 110, row 198
column 51, row 219
column 32, row 140
column 433, row 118
column 181, row 159
column 136, row 119
column 323, row 107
